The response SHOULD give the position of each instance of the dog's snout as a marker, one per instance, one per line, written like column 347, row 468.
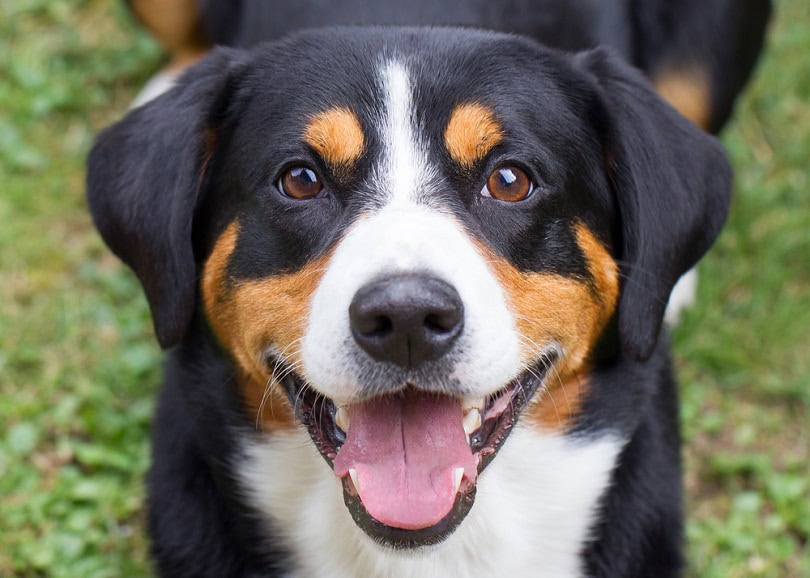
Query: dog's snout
column 406, row 319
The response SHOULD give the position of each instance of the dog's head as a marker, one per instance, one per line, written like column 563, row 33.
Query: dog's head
column 411, row 235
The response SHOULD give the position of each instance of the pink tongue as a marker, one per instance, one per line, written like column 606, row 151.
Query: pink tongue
column 405, row 450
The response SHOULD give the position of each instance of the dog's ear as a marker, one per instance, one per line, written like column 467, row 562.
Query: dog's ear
column 143, row 179
column 672, row 183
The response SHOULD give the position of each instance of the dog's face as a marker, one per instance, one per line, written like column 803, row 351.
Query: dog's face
column 406, row 240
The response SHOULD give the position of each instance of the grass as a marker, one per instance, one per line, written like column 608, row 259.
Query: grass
column 744, row 352
column 79, row 366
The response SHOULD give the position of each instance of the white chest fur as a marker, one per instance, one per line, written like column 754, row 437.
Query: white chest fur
column 535, row 505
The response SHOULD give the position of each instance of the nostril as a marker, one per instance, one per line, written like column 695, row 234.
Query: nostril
column 379, row 326
column 441, row 322
column 369, row 318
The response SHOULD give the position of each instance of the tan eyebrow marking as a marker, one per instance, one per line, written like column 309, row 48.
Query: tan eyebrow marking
column 337, row 136
column 471, row 133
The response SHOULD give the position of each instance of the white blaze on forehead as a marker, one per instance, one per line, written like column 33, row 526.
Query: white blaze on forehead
column 404, row 171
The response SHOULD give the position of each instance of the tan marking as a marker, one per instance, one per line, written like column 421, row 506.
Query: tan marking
column 337, row 136
column 175, row 24
column 559, row 405
column 603, row 269
column 573, row 313
column 266, row 404
column 688, row 91
column 180, row 61
column 247, row 316
column 471, row 133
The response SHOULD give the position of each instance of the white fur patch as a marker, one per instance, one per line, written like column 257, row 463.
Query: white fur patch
column 682, row 297
column 405, row 239
column 407, row 234
column 535, row 506
column 404, row 172
column 161, row 82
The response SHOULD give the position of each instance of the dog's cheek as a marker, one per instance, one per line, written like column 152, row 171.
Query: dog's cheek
column 254, row 316
column 550, row 308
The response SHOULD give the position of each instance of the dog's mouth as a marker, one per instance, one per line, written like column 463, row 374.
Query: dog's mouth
column 409, row 462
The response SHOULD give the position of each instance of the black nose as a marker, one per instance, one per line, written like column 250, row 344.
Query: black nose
column 406, row 319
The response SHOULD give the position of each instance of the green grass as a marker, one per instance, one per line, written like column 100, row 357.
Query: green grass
column 744, row 352
column 79, row 366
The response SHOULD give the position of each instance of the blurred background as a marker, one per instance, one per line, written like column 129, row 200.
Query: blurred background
column 79, row 366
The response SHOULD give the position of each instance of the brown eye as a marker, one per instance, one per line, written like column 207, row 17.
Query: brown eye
column 301, row 183
column 508, row 184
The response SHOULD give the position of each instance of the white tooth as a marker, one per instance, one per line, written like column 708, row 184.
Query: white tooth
column 458, row 473
column 472, row 403
column 471, row 421
column 356, row 479
column 342, row 418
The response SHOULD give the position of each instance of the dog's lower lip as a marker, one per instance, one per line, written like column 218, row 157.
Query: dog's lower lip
column 497, row 416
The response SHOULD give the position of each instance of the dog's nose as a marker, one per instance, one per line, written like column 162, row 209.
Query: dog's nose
column 406, row 319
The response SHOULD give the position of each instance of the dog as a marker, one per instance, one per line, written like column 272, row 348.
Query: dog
column 411, row 282
column 698, row 54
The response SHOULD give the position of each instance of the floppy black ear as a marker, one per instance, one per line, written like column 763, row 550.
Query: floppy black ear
column 143, row 177
column 673, row 187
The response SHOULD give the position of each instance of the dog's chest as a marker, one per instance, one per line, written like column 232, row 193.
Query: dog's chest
column 533, row 511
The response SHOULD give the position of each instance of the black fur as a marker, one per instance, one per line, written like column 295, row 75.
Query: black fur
column 605, row 149
column 198, row 524
column 143, row 202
